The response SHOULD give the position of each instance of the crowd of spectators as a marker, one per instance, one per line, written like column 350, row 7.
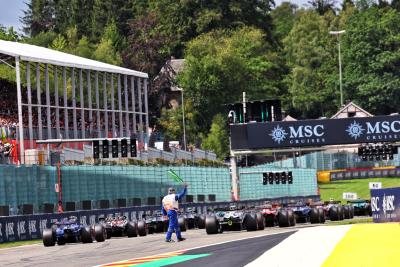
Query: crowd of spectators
column 9, row 111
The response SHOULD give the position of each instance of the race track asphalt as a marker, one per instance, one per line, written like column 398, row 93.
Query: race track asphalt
column 118, row 249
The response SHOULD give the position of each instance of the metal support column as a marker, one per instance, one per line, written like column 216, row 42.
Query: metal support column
column 66, row 121
column 235, row 180
column 127, row 128
column 20, row 120
column 133, row 104
column 96, row 77
column 140, row 109
column 112, row 107
column 57, row 103
column 46, row 73
column 39, row 102
column 74, row 124
column 82, row 101
column 105, row 104
column 89, row 85
column 146, row 108
column 121, row 123
column 29, row 96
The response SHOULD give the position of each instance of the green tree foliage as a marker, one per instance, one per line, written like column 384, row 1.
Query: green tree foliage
column 217, row 139
column 185, row 20
column 312, row 55
column 38, row 17
column 322, row 6
column 283, row 18
column 145, row 45
column 221, row 65
column 371, row 52
column 171, row 124
column 8, row 34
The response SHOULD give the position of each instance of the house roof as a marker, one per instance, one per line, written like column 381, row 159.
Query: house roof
column 39, row 54
column 169, row 71
column 354, row 106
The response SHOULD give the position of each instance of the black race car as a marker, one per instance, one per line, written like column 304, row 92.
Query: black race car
column 119, row 226
column 234, row 218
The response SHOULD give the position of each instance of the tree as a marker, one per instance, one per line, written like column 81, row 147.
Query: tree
column 185, row 20
column 283, row 18
column 170, row 123
column 144, row 50
column 8, row 34
column 220, row 65
column 322, row 6
column 217, row 139
column 311, row 55
column 371, row 51
column 38, row 17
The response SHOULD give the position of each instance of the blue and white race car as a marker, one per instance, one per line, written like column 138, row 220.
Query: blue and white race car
column 69, row 230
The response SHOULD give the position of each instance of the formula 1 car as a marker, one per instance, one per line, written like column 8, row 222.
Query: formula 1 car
column 69, row 230
column 306, row 213
column 233, row 218
column 274, row 214
column 191, row 218
column 270, row 213
column 156, row 223
column 361, row 207
column 119, row 226
column 335, row 211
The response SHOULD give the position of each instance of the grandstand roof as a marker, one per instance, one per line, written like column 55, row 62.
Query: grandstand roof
column 39, row 54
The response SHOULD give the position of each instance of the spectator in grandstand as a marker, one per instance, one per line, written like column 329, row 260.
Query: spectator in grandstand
column 170, row 207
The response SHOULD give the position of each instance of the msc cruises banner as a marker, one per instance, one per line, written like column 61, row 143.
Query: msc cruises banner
column 315, row 132
column 385, row 204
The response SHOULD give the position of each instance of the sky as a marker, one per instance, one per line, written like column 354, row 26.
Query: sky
column 12, row 10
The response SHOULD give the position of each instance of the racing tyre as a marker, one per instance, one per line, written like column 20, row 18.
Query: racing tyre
column 283, row 219
column 292, row 220
column 346, row 211
column 211, row 225
column 183, row 225
column 260, row 221
column 333, row 213
column 201, row 221
column 250, row 222
column 351, row 211
column 321, row 214
column 142, row 228
column 341, row 212
column 269, row 220
column 131, row 229
column 86, row 236
column 314, row 216
column 99, row 233
column 61, row 241
column 49, row 237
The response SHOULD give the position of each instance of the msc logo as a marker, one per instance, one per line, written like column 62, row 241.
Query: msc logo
column 355, row 130
column 301, row 132
column 388, row 203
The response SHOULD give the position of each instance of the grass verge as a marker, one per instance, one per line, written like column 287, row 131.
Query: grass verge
column 336, row 189
column 351, row 221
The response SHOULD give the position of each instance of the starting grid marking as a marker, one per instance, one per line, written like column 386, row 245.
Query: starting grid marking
column 136, row 261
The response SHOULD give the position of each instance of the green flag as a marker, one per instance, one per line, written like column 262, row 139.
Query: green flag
column 175, row 176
